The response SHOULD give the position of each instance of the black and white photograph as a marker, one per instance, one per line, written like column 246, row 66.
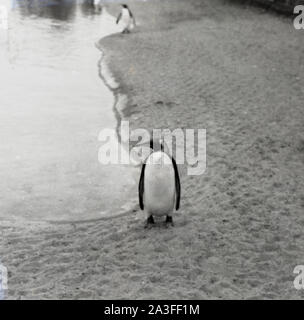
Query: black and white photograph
column 152, row 150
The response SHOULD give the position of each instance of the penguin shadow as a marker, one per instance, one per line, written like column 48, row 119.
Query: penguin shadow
column 159, row 223
column 168, row 104
column 120, row 36
column 123, row 34
column 165, row 223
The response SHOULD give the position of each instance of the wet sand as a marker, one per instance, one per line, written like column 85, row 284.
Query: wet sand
column 236, row 71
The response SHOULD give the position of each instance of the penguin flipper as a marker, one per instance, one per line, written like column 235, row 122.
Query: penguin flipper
column 118, row 18
column 141, row 187
column 177, row 184
column 132, row 17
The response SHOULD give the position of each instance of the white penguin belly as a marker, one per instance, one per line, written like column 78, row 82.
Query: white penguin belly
column 125, row 19
column 159, row 185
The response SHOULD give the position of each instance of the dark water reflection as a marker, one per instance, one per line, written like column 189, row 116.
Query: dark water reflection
column 64, row 10
column 53, row 106
column 53, row 9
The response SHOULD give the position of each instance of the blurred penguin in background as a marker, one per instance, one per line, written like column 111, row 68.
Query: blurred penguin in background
column 97, row 5
column 126, row 18
column 3, row 17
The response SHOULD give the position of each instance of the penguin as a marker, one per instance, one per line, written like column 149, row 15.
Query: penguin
column 97, row 5
column 3, row 18
column 159, row 186
column 127, row 18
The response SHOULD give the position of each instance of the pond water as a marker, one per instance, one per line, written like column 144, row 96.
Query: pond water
column 53, row 106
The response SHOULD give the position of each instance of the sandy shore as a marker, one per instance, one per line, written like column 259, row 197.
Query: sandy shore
column 236, row 71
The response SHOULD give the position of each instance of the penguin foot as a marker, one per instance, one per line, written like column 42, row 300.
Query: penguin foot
column 169, row 221
column 149, row 223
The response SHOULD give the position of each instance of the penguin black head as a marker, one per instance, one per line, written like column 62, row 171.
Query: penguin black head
column 125, row 6
column 156, row 145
